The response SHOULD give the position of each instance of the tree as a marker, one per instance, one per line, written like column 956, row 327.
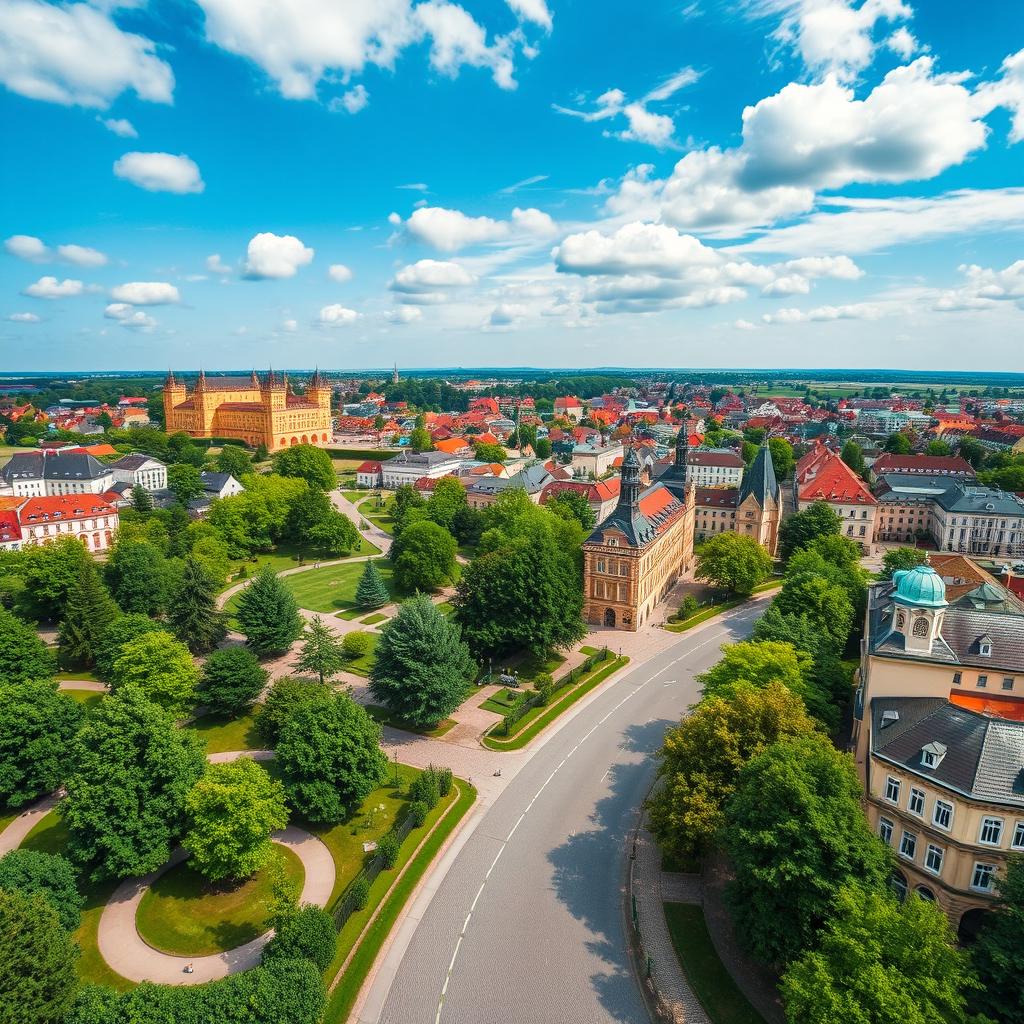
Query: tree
column 261, row 454
column 878, row 961
column 573, row 505
column 308, row 463
column 88, row 612
column 23, row 655
column 38, row 724
column 330, row 758
column 142, row 500
column 184, row 482
column 232, row 679
column 313, row 520
column 898, row 444
column 407, row 501
column 29, row 872
column 50, row 572
column 371, row 592
column 488, row 451
column 423, row 557
column 825, row 603
column 782, row 456
column 447, row 502
column 232, row 810
column 701, row 759
column 321, row 651
column 542, row 448
column 137, row 575
column 733, row 562
column 123, row 629
column 422, row 665
column 356, row 644
column 999, row 950
column 901, row 558
column 972, row 450
column 161, row 668
column 796, row 835
column 419, row 440
column 938, row 447
column 285, row 696
column 819, row 519
column 267, row 614
column 132, row 769
column 192, row 611
column 234, row 459
column 307, row 933
column 39, row 959
column 853, row 456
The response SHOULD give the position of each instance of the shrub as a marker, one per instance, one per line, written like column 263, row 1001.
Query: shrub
column 387, row 850
column 355, row 645
column 306, row 934
column 424, row 788
column 359, row 892
column 689, row 607
column 444, row 781
column 418, row 812
column 545, row 686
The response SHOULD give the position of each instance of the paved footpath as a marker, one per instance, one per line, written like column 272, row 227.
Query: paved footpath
column 125, row 951
column 14, row 835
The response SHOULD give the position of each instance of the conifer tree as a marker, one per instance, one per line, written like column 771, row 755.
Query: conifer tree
column 193, row 610
column 87, row 614
column 268, row 615
column 322, row 652
column 371, row 592
column 142, row 501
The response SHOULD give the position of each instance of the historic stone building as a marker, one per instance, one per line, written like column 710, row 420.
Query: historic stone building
column 759, row 502
column 252, row 409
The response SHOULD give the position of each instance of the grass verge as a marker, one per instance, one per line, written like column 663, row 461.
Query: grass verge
column 385, row 717
column 716, row 609
column 391, row 902
column 712, row 984
column 546, row 715
column 372, row 620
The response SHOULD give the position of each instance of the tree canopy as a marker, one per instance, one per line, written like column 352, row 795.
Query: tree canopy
column 231, row 681
column 371, row 591
column 321, row 652
column 161, row 668
column 23, row 655
column 29, row 872
column 268, row 615
column 901, row 558
column 733, row 562
column 88, row 612
column 122, row 630
column 192, row 612
column 308, row 463
column 819, row 519
column 999, row 950
column 423, row 556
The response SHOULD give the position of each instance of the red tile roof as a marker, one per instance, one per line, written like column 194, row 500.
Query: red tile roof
column 834, row 481
column 889, row 463
column 64, row 507
column 10, row 529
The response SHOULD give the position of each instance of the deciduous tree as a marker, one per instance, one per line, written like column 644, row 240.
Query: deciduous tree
column 50, row 572
column 22, row 654
column 999, row 950
column 901, row 558
column 231, row 681
column 234, row 459
column 29, row 872
column 184, row 482
column 161, row 668
column 286, row 695
column 733, row 562
column 423, row 556
column 819, row 519
column 122, row 630
column 137, row 577
column 309, row 463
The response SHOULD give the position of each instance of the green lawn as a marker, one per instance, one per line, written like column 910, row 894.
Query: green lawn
column 723, row 1002
column 446, row 608
column 372, row 620
column 361, row 666
column 77, row 677
column 333, row 587
column 184, row 914
column 222, row 734
column 502, row 701
column 48, row 836
column 89, row 699
column 354, row 496
column 382, row 517
column 528, row 665
column 385, row 717
column 286, row 556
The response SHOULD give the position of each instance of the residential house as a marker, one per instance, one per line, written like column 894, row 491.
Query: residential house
column 53, row 472
column 86, row 517
column 821, row 475
column 140, row 471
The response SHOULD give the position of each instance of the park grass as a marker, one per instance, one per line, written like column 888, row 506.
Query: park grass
column 221, row 734
column 391, row 897
column 332, row 588
column 537, row 719
column 286, row 556
column 354, row 496
column 183, row 914
column 88, row 699
column 382, row 517
column 362, row 665
column 384, row 716
column 723, row 1002
column 77, row 677
column 446, row 608
column 590, row 651
column 48, row 836
column 528, row 665
column 372, row 620
column 501, row 703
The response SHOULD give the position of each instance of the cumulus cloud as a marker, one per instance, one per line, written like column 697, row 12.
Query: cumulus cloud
column 82, row 255
column 27, row 247
column 636, row 247
column 339, row 272
column 426, row 282
column 506, row 314
column 984, row 287
column 216, row 265
column 1006, row 91
column 852, row 311
column 129, row 318
column 452, row 230
column 51, row 288
column 642, row 124
column 145, row 293
column 270, row 255
column 338, row 316
column 24, row 318
column 352, row 101
column 300, row 45
column 532, row 10
column 744, row 325
column 403, row 315
column 75, row 55
column 160, row 172
column 119, row 126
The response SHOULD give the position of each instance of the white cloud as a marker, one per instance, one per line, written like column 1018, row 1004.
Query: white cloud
column 534, row 179
column 24, row 318
column 643, row 125
column 339, row 272
column 792, row 284
column 119, row 126
column 270, row 255
column 216, row 265
column 27, row 247
column 841, row 268
column 82, row 255
column 457, row 39
column 1006, row 91
column 633, row 248
column 338, row 316
column 506, row 314
column 430, row 276
column 903, row 43
column 852, row 311
column 160, row 172
column 451, row 230
column 352, row 101
column 145, row 293
column 76, row 56
column 984, row 288
column 289, row 326
column 129, row 318
column 51, row 288
column 403, row 314
column 744, row 325
column 416, row 186
column 532, row 10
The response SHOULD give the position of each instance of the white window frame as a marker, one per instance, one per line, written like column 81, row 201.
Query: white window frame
column 916, row 795
column 938, row 806
column 1017, row 843
column 892, row 784
column 912, row 837
column 886, row 830
column 932, row 851
column 986, row 870
column 991, row 822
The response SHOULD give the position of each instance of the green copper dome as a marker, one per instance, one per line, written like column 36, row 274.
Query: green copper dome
column 921, row 586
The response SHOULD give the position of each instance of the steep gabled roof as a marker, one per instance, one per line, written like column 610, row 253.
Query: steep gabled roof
column 759, row 481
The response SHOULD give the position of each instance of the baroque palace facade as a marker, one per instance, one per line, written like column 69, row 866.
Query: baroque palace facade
column 256, row 410
column 636, row 554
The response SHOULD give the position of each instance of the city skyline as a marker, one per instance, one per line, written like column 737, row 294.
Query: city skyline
column 796, row 183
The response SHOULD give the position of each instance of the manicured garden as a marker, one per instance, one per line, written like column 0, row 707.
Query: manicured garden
column 385, row 717
column 288, row 556
column 221, row 734
column 333, row 587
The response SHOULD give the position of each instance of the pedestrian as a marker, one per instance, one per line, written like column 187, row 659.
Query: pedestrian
column 189, row 969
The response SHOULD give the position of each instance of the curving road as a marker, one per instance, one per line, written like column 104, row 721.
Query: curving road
column 523, row 922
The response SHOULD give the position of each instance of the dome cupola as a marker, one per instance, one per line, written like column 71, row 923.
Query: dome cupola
column 920, row 587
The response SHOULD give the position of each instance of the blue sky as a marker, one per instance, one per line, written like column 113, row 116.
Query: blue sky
column 351, row 183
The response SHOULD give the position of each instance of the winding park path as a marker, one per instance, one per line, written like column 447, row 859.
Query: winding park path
column 125, row 951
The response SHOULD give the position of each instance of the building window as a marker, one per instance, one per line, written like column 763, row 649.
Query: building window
column 957, row 676
column 933, row 859
column 885, row 830
column 982, row 682
column 1008, row 683
column 1018, row 836
column 916, row 802
column 600, row 565
column 921, row 627
column 942, row 814
column 982, row 877
column 892, row 790
column 908, row 845
column 991, row 831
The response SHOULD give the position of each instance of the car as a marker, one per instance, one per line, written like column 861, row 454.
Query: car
column 1018, row 566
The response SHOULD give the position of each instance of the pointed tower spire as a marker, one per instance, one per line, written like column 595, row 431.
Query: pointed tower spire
column 170, row 382
column 629, row 488
column 682, row 452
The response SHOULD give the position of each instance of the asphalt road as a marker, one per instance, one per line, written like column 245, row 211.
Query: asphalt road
column 526, row 926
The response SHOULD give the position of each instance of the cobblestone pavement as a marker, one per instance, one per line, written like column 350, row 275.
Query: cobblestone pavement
column 125, row 951
column 681, row 888
column 666, row 972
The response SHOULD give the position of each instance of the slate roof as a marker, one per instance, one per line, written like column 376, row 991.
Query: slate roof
column 53, row 466
column 532, row 479
column 984, row 756
column 657, row 508
column 715, row 497
column 133, row 462
column 214, row 481
column 759, row 480
column 962, row 497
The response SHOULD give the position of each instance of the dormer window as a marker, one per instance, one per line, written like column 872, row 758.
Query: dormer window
column 932, row 755
column 985, row 646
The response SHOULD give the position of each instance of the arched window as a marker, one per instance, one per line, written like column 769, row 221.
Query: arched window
column 901, row 620
column 921, row 627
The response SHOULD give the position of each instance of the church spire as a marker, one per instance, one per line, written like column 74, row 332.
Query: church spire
column 682, row 452
column 629, row 488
